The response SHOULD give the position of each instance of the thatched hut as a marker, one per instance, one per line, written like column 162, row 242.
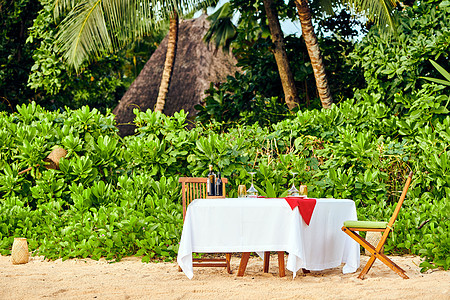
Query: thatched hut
column 196, row 66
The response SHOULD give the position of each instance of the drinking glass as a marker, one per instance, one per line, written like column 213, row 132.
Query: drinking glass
column 293, row 192
column 303, row 191
column 242, row 191
column 252, row 192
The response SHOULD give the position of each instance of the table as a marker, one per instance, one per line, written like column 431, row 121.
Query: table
column 269, row 224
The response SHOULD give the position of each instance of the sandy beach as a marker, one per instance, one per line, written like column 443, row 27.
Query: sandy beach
column 132, row 279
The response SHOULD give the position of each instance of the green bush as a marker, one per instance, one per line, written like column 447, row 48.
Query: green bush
column 393, row 65
column 97, row 204
column 114, row 197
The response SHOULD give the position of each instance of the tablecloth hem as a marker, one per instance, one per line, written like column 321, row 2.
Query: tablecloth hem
column 256, row 248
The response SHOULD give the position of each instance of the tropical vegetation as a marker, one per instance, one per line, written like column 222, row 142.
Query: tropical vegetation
column 118, row 196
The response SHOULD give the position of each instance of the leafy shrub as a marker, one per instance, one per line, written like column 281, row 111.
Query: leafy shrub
column 96, row 205
column 114, row 197
column 393, row 65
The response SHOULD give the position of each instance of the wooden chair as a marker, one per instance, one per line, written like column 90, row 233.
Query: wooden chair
column 246, row 256
column 193, row 188
column 351, row 228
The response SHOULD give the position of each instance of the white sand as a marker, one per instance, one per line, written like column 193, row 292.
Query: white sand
column 132, row 279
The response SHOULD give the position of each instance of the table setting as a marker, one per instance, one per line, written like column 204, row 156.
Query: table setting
column 269, row 224
column 307, row 229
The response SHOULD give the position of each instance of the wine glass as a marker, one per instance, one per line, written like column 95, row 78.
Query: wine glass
column 252, row 192
column 293, row 192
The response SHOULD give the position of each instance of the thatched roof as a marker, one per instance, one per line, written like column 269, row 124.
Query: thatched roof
column 196, row 65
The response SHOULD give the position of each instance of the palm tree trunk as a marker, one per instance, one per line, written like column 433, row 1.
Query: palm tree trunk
column 168, row 64
column 314, row 53
column 287, row 79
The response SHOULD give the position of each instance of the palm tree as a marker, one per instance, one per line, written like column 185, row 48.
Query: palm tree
column 379, row 11
column 95, row 27
column 223, row 32
column 314, row 53
column 287, row 79
column 169, row 62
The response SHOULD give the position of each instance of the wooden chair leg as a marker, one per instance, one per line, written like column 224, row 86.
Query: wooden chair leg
column 369, row 247
column 281, row 268
column 383, row 258
column 394, row 267
column 243, row 263
column 266, row 261
column 367, row 267
column 228, row 257
column 246, row 256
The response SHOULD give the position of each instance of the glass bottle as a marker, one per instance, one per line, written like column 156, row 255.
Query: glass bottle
column 219, row 185
column 210, row 182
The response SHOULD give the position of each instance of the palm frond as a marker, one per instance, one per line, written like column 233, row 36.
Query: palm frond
column 95, row 27
column 442, row 71
column 129, row 20
column 327, row 6
column 436, row 80
column 378, row 11
column 202, row 5
column 222, row 30
column 62, row 7
column 84, row 33
column 182, row 7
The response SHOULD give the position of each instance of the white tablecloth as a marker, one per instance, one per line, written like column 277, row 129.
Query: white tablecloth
column 269, row 224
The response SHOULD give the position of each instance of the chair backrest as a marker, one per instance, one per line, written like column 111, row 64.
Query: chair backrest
column 395, row 214
column 400, row 201
column 194, row 188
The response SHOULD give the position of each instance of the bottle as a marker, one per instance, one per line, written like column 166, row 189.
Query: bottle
column 210, row 182
column 219, row 185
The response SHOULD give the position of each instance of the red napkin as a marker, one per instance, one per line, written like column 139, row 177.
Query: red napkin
column 305, row 206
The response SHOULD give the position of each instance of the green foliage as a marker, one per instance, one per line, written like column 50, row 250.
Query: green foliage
column 443, row 73
column 96, row 205
column 99, row 85
column 15, row 55
column 256, row 93
column 222, row 31
column 31, row 66
column 394, row 65
column 91, row 29
column 115, row 197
